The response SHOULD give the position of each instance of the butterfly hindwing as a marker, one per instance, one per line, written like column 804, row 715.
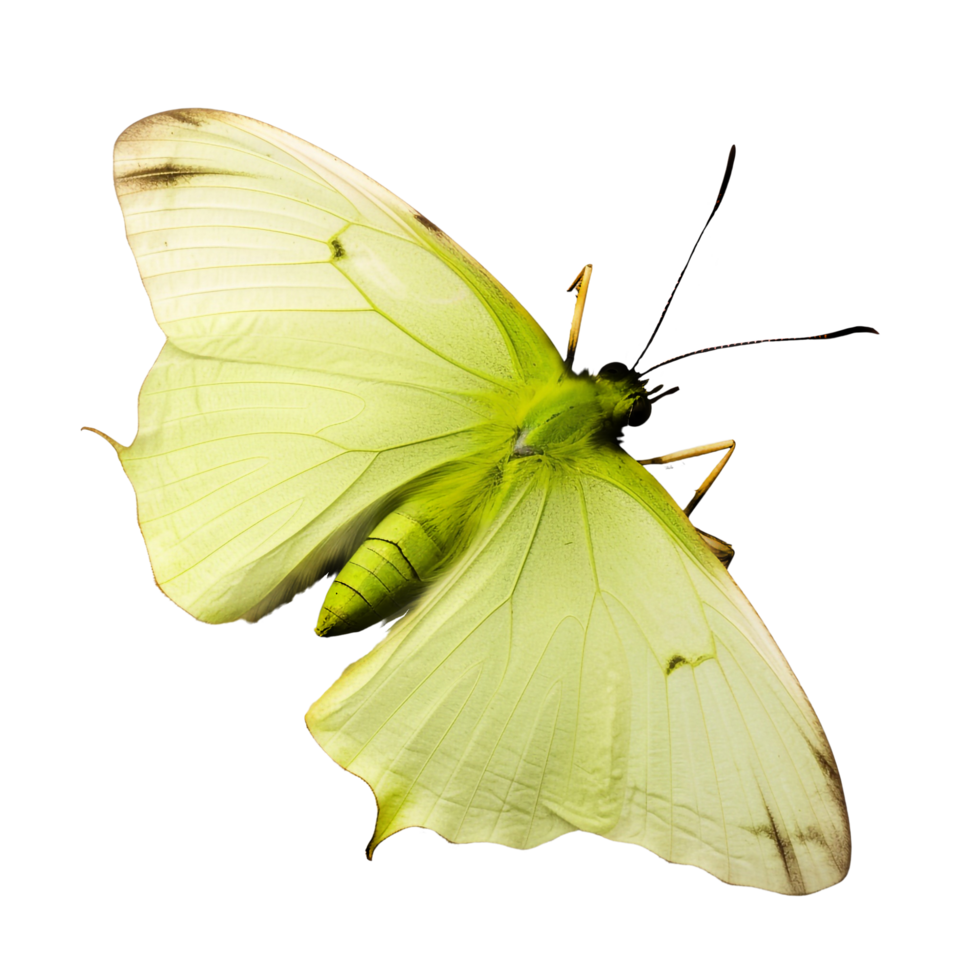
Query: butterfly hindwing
column 590, row 665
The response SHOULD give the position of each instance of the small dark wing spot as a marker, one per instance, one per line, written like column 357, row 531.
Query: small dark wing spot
column 166, row 175
column 190, row 117
column 338, row 249
column 678, row 661
column 425, row 223
column 784, row 847
column 812, row 835
column 841, row 848
column 151, row 126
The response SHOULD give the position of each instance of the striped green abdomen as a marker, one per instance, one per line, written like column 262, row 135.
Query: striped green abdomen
column 382, row 576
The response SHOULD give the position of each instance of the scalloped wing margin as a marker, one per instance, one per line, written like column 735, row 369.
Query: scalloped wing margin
column 590, row 665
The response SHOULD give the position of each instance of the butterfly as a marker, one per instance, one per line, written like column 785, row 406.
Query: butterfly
column 344, row 390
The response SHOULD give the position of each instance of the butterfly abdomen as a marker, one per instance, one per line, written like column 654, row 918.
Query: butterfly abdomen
column 440, row 513
column 384, row 574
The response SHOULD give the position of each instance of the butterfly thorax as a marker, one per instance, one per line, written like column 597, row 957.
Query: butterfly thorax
column 577, row 410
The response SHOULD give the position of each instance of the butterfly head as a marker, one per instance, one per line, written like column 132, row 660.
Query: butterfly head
column 624, row 395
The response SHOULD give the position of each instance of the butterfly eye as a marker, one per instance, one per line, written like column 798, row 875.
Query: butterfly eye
column 641, row 412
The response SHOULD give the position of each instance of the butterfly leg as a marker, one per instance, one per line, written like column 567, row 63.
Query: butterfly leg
column 723, row 551
column 582, row 285
column 693, row 452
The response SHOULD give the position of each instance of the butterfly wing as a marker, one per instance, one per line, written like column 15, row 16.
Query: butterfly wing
column 591, row 665
column 325, row 345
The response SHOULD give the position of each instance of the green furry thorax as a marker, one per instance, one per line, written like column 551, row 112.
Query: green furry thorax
column 571, row 413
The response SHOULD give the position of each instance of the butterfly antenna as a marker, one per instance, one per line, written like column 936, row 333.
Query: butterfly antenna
column 771, row 340
column 721, row 196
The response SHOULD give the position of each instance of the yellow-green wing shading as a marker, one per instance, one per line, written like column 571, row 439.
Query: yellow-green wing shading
column 590, row 665
column 325, row 345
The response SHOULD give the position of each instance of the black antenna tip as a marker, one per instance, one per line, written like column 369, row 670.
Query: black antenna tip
column 724, row 180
